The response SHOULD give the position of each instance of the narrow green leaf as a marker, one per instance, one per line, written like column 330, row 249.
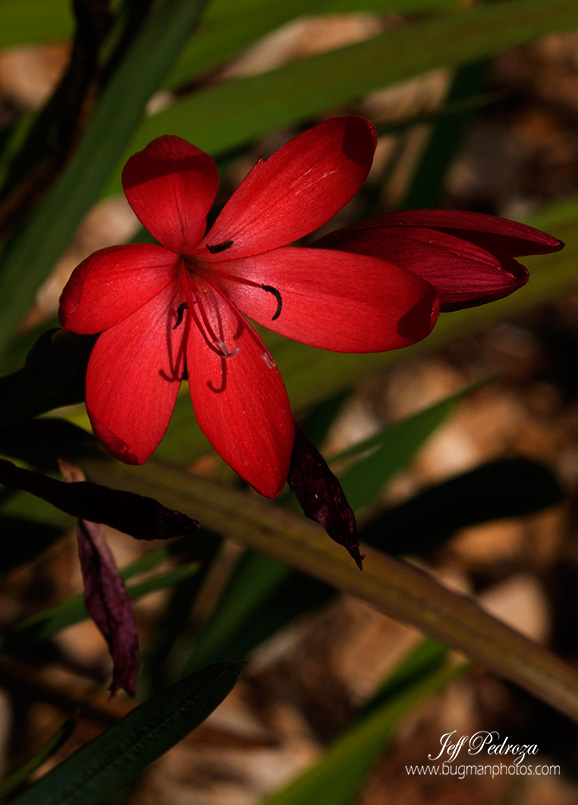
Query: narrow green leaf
column 420, row 662
column 445, row 139
column 73, row 610
column 40, row 242
column 508, row 487
column 228, row 28
column 338, row 775
column 225, row 116
column 392, row 448
column 393, row 586
column 243, row 607
column 51, row 746
column 25, row 22
column 110, row 761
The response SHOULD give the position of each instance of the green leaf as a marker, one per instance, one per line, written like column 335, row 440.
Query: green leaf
column 53, row 744
column 445, row 138
column 230, row 27
column 224, row 116
column 73, row 610
column 338, row 775
column 110, row 761
column 509, row 487
column 52, row 376
column 33, row 538
column 245, row 613
column 24, row 22
column 392, row 586
column 39, row 243
column 388, row 451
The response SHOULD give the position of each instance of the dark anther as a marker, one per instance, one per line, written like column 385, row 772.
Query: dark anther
column 220, row 247
column 277, row 295
column 180, row 313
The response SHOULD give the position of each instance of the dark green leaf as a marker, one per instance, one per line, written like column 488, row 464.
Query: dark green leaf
column 38, row 244
column 110, row 761
column 24, row 540
column 505, row 488
column 17, row 778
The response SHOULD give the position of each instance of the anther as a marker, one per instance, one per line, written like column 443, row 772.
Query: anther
column 220, row 247
column 180, row 313
column 222, row 347
column 277, row 295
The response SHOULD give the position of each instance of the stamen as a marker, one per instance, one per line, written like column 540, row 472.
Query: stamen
column 243, row 281
column 220, row 247
column 222, row 347
column 180, row 313
column 277, row 295
column 212, row 338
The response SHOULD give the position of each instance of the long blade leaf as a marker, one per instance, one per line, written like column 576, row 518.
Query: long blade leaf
column 38, row 244
column 395, row 587
column 110, row 761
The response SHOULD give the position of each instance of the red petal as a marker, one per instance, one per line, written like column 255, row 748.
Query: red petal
column 240, row 401
column 463, row 274
column 334, row 300
column 488, row 231
column 171, row 186
column 112, row 284
column 133, row 378
column 296, row 190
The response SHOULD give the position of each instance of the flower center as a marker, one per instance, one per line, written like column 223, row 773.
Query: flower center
column 196, row 266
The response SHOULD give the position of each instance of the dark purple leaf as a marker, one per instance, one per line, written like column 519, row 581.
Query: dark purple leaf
column 320, row 495
column 141, row 517
column 108, row 604
column 105, row 594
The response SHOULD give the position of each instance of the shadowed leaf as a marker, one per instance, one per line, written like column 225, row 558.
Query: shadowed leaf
column 505, row 488
column 141, row 517
column 110, row 761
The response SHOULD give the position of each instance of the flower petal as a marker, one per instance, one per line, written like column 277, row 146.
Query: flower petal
column 112, row 284
column 240, row 401
column 463, row 274
column 296, row 190
column 331, row 299
column 171, row 186
column 133, row 378
column 491, row 232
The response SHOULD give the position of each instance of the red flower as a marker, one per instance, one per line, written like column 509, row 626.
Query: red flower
column 178, row 309
column 468, row 257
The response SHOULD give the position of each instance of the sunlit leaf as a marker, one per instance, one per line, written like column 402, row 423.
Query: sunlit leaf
column 224, row 116
column 25, row 22
column 393, row 586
